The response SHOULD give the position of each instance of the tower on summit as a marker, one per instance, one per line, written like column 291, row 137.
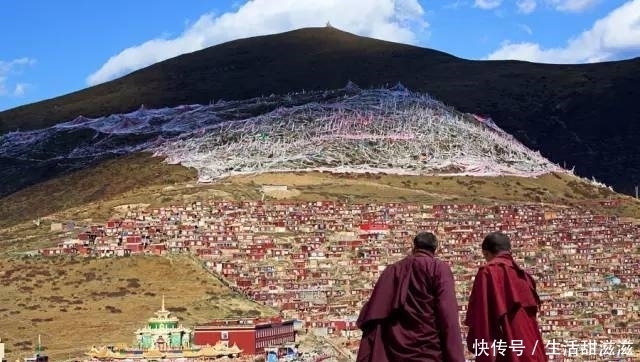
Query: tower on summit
column 329, row 25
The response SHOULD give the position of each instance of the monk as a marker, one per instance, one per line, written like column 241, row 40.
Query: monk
column 502, row 309
column 412, row 314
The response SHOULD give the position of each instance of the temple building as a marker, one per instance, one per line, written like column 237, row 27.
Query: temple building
column 163, row 332
column 252, row 336
column 164, row 339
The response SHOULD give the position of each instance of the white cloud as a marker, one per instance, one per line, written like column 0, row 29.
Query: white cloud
column 572, row 6
column 20, row 89
column 395, row 20
column 526, row 6
column 527, row 29
column 617, row 33
column 13, row 67
column 487, row 4
column 8, row 66
column 454, row 5
column 3, row 88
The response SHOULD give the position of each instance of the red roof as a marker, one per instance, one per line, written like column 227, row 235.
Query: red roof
column 374, row 226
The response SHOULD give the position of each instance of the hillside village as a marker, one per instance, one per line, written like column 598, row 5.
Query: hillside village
column 318, row 261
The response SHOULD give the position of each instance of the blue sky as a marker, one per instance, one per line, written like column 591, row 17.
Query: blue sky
column 50, row 48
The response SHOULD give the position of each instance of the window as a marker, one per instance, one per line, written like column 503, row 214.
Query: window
column 224, row 335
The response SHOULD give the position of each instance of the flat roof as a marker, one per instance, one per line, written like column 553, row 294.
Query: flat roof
column 243, row 324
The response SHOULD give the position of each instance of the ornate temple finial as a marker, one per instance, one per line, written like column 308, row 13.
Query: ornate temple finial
column 163, row 303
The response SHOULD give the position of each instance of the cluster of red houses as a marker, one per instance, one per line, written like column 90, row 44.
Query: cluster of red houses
column 318, row 261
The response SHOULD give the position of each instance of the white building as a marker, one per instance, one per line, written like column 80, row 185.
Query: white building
column 2, row 357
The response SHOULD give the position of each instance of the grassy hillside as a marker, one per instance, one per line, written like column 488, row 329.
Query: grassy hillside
column 581, row 115
column 59, row 297
column 141, row 179
column 47, row 295
column 107, row 180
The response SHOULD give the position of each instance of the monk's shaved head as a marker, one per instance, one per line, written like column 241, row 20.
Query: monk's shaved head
column 496, row 242
column 425, row 241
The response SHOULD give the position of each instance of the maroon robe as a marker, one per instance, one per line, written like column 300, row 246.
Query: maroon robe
column 503, row 307
column 412, row 314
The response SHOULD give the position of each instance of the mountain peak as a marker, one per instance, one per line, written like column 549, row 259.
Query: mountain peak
column 559, row 109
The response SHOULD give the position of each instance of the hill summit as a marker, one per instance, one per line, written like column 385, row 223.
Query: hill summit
column 576, row 115
column 388, row 130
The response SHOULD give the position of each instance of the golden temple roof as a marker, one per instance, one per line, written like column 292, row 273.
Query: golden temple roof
column 191, row 354
column 217, row 350
column 102, row 353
